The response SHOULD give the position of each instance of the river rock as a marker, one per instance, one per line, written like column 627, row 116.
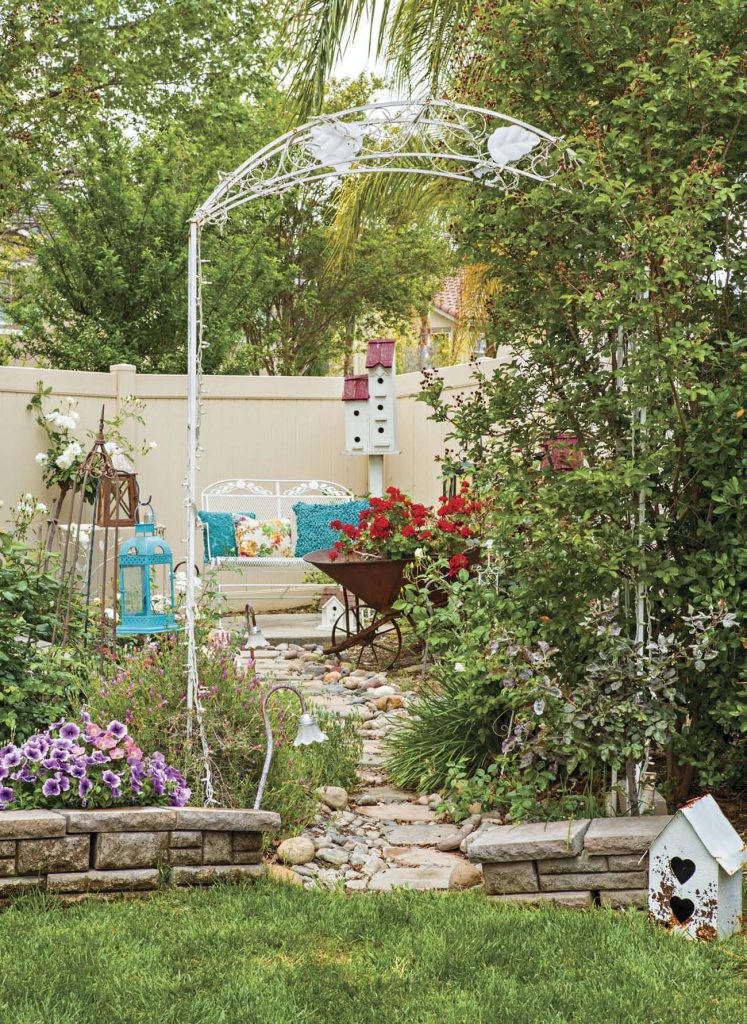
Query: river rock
column 297, row 850
column 464, row 876
column 333, row 796
column 278, row 873
column 333, row 855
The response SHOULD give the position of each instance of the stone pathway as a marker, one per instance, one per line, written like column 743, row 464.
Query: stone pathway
column 379, row 837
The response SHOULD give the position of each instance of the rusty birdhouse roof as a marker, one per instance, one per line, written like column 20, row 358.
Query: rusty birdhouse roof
column 715, row 832
column 355, row 388
column 380, row 352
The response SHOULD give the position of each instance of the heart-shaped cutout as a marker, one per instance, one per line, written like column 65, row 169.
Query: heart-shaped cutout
column 682, row 869
column 683, row 910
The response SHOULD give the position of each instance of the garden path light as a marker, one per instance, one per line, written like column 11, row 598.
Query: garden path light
column 308, row 733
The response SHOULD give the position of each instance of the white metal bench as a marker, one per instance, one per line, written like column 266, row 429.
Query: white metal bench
column 268, row 499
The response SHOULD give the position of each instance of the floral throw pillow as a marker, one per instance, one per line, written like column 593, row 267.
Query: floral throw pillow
column 263, row 538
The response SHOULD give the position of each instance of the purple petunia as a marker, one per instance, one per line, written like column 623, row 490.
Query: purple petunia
column 84, row 753
column 117, row 729
column 111, row 779
column 12, row 757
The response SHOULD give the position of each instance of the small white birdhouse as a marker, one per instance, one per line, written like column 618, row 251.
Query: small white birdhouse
column 695, row 873
column 332, row 609
column 355, row 397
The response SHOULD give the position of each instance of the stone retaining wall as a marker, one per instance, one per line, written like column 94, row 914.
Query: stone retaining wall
column 129, row 849
column 601, row 861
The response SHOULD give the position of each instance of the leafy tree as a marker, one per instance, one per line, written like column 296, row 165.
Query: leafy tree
column 622, row 296
column 110, row 277
column 64, row 63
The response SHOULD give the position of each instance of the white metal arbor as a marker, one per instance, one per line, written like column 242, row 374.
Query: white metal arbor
column 433, row 138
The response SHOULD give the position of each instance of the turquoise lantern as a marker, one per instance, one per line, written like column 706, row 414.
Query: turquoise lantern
column 146, row 581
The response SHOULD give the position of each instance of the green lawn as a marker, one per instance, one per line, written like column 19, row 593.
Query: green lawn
column 272, row 954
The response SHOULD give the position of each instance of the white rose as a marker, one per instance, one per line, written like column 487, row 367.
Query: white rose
column 458, row 667
column 112, row 448
column 41, row 458
column 152, row 445
column 28, row 497
column 67, row 422
column 41, row 507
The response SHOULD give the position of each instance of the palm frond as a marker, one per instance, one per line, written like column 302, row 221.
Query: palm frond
column 398, row 198
column 419, row 39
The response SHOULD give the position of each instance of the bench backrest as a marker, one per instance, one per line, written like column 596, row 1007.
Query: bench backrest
column 271, row 499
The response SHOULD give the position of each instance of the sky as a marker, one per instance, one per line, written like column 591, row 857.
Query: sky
column 356, row 57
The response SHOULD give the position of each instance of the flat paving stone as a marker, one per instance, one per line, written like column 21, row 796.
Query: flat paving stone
column 420, row 857
column 388, row 794
column 420, row 834
column 398, row 812
column 410, row 878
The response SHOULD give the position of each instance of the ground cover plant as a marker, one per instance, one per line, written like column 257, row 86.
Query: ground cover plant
column 277, row 955
column 84, row 764
column 145, row 688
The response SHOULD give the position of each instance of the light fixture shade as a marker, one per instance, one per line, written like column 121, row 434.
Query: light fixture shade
column 308, row 732
column 336, row 144
column 256, row 638
column 509, row 144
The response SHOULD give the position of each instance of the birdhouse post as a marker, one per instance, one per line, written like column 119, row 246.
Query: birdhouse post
column 370, row 411
column 695, row 873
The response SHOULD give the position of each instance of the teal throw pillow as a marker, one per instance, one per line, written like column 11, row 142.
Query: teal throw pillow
column 220, row 537
column 312, row 523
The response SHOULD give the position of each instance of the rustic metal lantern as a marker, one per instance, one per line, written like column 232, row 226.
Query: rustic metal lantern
column 146, row 602
column 118, row 494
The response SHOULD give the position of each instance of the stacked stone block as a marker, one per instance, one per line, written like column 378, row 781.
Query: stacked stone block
column 603, row 861
column 132, row 849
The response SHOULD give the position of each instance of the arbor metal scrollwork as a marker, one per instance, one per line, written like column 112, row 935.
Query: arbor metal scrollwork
column 433, row 138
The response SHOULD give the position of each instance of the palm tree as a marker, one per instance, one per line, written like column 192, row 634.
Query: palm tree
column 418, row 38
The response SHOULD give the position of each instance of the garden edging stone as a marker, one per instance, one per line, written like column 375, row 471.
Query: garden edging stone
column 129, row 849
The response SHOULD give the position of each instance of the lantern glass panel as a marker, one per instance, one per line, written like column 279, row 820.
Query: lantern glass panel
column 134, row 590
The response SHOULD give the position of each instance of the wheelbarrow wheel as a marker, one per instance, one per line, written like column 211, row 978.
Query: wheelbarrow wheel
column 378, row 649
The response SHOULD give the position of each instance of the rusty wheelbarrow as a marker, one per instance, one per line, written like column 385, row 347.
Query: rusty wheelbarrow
column 370, row 588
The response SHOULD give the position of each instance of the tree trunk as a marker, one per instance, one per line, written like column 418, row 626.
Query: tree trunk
column 424, row 346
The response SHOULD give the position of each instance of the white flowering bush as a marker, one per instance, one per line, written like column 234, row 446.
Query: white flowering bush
column 65, row 452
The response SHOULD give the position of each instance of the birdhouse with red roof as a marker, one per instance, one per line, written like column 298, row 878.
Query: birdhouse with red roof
column 369, row 398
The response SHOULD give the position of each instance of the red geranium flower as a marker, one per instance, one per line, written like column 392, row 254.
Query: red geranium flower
column 457, row 562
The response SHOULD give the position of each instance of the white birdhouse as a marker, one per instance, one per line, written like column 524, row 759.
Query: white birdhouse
column 355, row 397
column 332, row 609
column 370, row 407
column 381, row 381
column 694, row 875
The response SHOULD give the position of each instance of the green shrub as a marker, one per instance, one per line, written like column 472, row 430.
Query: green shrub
column 39, row 683
column 146, row 687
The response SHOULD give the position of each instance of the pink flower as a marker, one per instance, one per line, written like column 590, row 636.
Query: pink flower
column 116, row 754
column 93, row 730
column 106, row 742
